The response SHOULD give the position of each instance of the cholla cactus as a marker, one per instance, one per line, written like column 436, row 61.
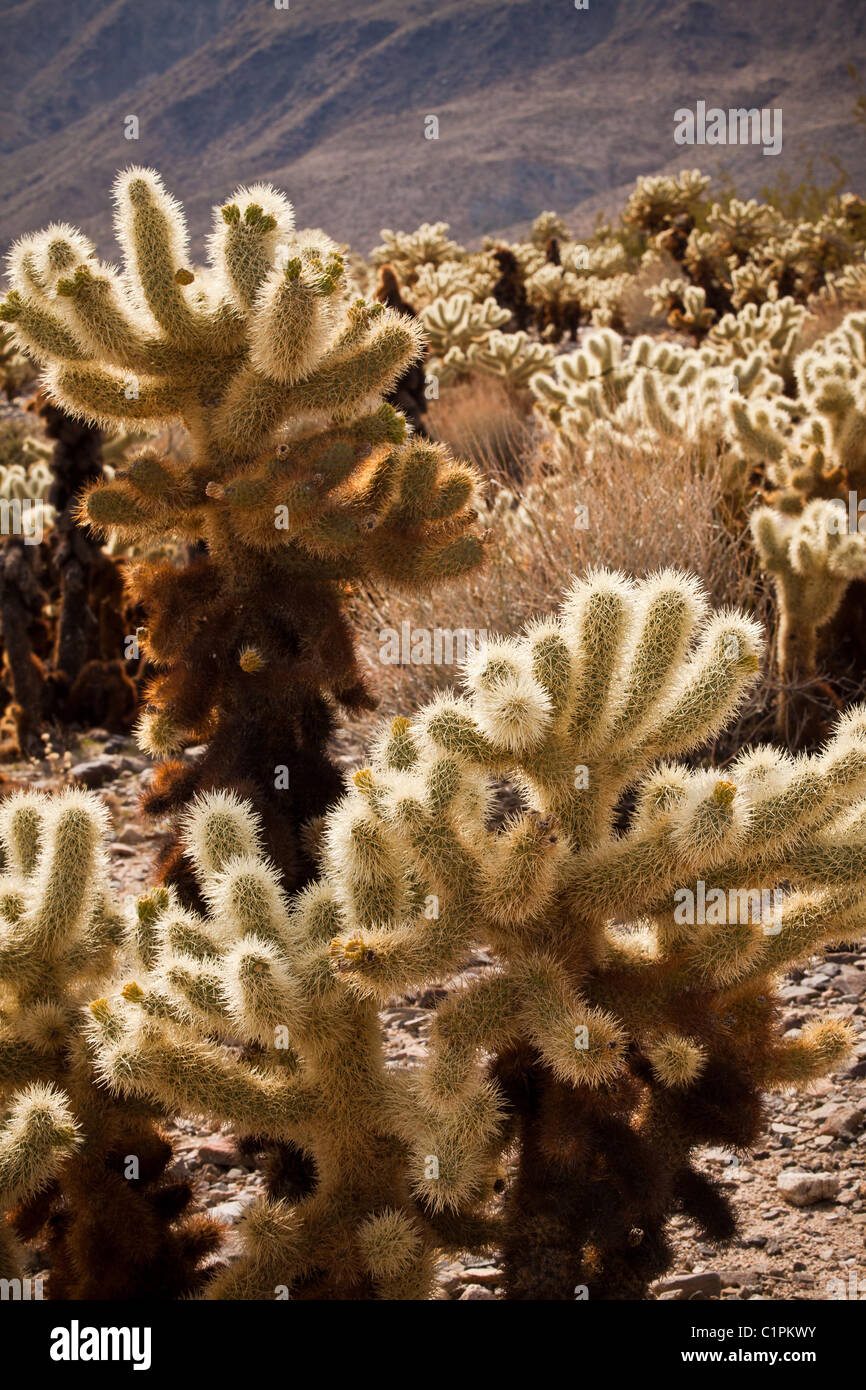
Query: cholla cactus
column 407, row 252
column 602, row 397
column 815, row 445
column 31, row 483
column 545, row 226
column 846, row 286
column 657, row 201
column 259, row 970
column 297, row 479
column 773, row 329
column 625, row 1030
column 474, row 276
column 457, row 322
column 812, row 559
column 684, row 307
column 511, row 357
column 76, row 1167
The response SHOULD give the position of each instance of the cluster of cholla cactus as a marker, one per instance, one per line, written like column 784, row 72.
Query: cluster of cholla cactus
column 655, row 393
column 298, row 480
column 511, row 358
column 628, row 1015
column 741, row 252
column 623, row 1024
column 810, row 448
column 80, row 1171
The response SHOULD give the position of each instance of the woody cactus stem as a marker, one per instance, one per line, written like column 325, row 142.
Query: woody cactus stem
column 628, row 1021
column 299, row 480
column 79, row 1171
column 76, row 464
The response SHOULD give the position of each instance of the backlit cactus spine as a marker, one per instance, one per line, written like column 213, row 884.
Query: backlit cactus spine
column 625, row 1028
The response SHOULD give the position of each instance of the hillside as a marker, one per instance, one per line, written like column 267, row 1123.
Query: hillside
column 540, row 105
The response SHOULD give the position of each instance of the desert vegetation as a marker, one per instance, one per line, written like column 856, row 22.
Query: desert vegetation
column 469, row 635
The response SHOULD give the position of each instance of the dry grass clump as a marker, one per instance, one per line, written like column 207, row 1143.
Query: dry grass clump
column 626, row 513
column 481, row 420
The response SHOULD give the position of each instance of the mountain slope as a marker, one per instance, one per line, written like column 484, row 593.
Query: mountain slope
column 539, row 104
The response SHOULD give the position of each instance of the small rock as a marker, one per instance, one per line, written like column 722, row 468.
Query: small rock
column 802, row 1189
column 230, row 1213
column 745, row 1279
column 846, row 1119
column 135, row 765
column 692, row 1286
column 451, row 1277
column 850, row 981
column 796, row 994
column 489, row 1278
column 95, row 772
column 219, row 1150
column 475, row 1293
column 131, row 835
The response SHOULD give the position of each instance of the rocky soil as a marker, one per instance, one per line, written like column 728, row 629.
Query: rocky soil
column 801, row 1195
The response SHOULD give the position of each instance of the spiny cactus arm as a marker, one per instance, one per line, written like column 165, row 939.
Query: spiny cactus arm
column 37, row 1134
column 348, row 380
column 150, row 496
column 452, row 1154
column 160, row 1063
column 713, row 684
column 381, row 963
column 243, row 244
column 22, row 828
column 279, row 1242
column 262, row 995
column 107, row 397
column 790, row 796
column 151, row 229
column 806, row 922
column 390, row 1244
column 693, row 698
column 63, row 891
column 823, row 1045
column 90, row 956
column 20, row 1062
column 634, row 871
column 581, row 1044
column 38, row 332
column 295, row 316
column 482, row 1014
